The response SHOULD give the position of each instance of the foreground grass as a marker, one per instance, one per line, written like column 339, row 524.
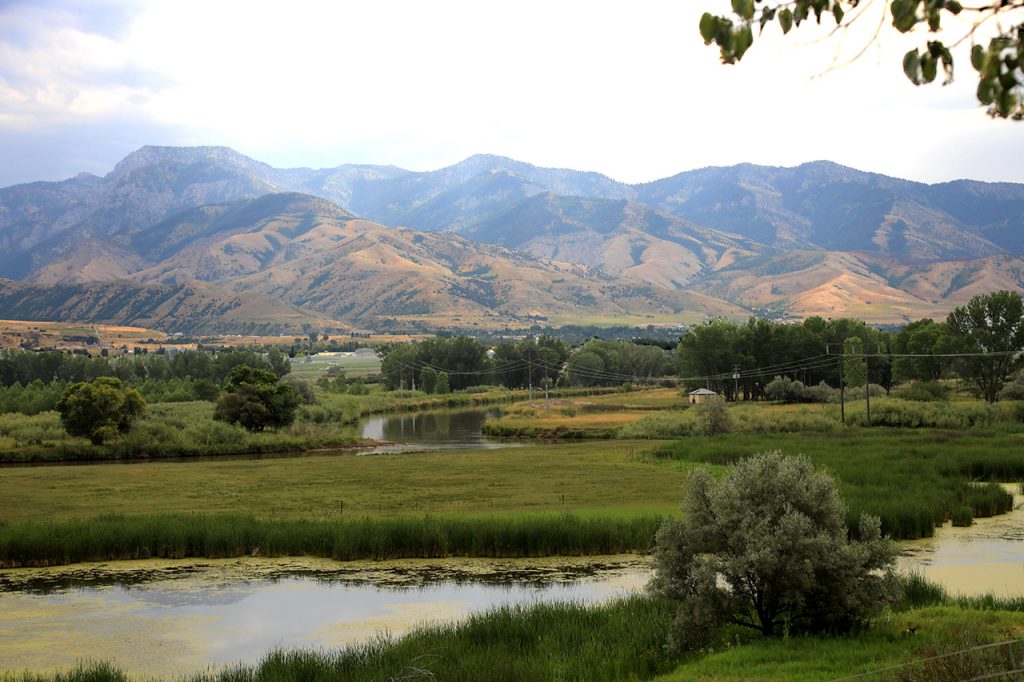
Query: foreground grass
column 619, row 640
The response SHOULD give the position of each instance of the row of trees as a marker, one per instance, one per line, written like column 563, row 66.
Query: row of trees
column 460, row 362
column 24, row 367
column 977, row 342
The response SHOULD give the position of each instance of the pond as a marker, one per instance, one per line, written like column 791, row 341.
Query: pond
column 168, row 618
column 987, row 557
column 434, row 430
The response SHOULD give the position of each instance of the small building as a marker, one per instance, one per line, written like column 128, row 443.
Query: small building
column 701, row 395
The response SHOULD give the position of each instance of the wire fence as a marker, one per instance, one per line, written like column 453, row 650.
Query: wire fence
column 999, row 661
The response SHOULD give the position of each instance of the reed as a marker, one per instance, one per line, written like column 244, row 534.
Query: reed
column 177, row 536
column 912, row 480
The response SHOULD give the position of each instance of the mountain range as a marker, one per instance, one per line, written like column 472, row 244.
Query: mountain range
column 205, row 239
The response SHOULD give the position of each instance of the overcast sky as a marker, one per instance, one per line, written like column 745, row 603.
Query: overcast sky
column 624, row 88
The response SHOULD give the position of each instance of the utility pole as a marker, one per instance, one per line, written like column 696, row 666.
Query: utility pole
column 867, row 383
column 842, row 384
column 736, row 383
column 401, row 382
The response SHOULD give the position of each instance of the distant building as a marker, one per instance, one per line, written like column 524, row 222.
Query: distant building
column 700, row 395
column 364, row 352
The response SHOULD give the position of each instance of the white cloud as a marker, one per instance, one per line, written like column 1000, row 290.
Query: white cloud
column 630, row 91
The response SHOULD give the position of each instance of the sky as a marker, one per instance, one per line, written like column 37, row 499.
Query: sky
column 625, row 89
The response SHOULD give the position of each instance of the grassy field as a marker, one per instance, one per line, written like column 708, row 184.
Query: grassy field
column 314, row 366
column 592, row 477
column 70, row 335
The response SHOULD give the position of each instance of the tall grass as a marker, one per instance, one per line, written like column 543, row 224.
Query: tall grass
column 176, row 536
column 912, row 480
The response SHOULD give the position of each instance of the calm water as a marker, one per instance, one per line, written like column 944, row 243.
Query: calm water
column 166, row 618
column 986, row 557
column 440, row 430
column 172, row 617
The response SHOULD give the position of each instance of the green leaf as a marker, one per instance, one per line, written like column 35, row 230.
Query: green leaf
column 837, row 12
column 744, row 8
column 743, row 38
column 954, row 7
column 929, row 68
column 708, row 27
column 786, row 20
column 912, row 66
column 986, row 91
column 978, row 57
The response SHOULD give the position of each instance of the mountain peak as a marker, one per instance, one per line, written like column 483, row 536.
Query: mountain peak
column 150, row 155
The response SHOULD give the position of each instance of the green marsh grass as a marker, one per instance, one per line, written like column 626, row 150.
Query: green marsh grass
column 912, row 479
column 179, row 536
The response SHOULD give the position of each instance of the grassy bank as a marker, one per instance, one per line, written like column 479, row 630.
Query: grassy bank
column 179, row 536
column 620, row 640
column 187, row 429
column 912, row 479
column 661, row 413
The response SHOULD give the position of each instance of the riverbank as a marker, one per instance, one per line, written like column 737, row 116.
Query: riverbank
column 621, row 640
column 186, row 430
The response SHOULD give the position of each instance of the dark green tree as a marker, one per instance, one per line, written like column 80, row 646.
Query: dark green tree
column 256, row 400
column 100, row 410
column 927, row 339
column 428, row 380
column 989, row 324
column 998, row 63
column 766, row 547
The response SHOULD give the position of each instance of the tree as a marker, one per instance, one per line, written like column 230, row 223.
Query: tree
column 255, row 399
column 428, row 380
column 1000, row 80
column 927, row 340
column 991, row 324
column 442, row 385
column 100, row 410
column 766, row 547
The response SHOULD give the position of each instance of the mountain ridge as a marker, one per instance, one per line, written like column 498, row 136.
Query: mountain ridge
column 721, row 240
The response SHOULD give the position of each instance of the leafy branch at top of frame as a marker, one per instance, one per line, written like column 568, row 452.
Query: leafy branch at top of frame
column 1000, row 64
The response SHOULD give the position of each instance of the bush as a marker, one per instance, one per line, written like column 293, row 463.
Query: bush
column 713, row 417
column 766, row 547
column 923, row 391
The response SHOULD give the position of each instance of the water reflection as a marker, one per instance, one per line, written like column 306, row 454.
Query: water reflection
column 168, row 618
column 446, row 429
column 987, row 557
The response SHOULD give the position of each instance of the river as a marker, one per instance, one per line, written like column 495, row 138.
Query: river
column 167, row 618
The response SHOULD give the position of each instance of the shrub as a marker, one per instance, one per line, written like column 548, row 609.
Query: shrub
column 713, row 417
column 923, row 391
column 766, row 547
